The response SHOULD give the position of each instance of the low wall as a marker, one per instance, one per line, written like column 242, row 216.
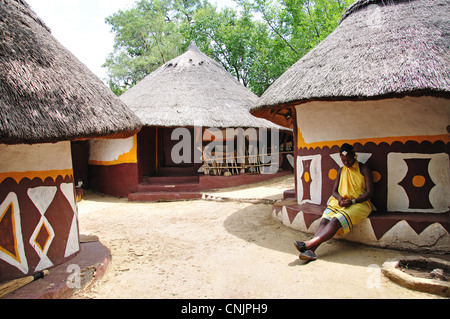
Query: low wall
column 402, row 231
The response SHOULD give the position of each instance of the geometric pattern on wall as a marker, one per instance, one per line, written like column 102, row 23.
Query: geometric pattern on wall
column 73, row 244
column 418, row 182
column 309, row 176
column 43, row 234
column 38, row 224
column 12, row 250
column 398, row 231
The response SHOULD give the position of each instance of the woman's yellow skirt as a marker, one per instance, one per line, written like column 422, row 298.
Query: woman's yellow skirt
column 348, row 217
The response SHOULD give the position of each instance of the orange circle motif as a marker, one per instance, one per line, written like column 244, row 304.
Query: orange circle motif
column 332, row 174
column 376, row 176
column 306, row 177
column 418, row 181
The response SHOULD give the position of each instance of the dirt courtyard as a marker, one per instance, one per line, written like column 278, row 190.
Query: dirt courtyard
column 228, row 249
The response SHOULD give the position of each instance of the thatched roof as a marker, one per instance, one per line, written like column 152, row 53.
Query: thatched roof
column 46, row 93
column 193, row 90
column 381, row 48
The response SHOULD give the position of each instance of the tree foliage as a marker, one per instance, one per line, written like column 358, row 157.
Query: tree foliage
column 256, row 41
column 146, row 36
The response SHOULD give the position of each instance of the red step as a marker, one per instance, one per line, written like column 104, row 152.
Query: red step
column 169, row 184
column 167, row 188
column 173, row 188
column 171, row 180
column 142, row 188
column 163, row 196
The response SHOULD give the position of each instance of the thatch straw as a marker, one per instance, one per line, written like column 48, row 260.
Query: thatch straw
column 46, row 93
column 193, row 90
column 380, row 49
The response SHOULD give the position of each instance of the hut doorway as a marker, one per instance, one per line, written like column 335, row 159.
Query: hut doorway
column 168, row 166
column 155, row 153
column 80, row 160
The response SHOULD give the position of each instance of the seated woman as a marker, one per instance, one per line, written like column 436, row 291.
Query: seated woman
column 349, row 205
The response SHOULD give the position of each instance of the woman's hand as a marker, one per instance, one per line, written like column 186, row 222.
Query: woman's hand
column 344, row 202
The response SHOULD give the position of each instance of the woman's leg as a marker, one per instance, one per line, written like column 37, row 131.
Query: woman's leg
column 321, row 231
column 323, row 223
column 327, row 229
column 300, row 245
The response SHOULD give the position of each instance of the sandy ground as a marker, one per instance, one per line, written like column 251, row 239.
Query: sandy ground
column 224, row 250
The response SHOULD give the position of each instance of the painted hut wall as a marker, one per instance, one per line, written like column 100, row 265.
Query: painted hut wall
column 404, row 141
column 411, row 171
column 113, row 168
column 38, row 213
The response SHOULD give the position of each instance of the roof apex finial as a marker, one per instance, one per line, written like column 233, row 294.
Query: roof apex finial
column 193, row 47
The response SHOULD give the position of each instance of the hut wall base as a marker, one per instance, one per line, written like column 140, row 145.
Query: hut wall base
column 401, row 231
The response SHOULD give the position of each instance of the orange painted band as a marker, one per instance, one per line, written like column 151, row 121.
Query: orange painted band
column 18, row 176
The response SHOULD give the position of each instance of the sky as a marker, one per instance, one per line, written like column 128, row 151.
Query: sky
column 80, row 26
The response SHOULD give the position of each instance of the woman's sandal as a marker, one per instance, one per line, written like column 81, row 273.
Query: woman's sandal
column 308, row 255
column 300, row 245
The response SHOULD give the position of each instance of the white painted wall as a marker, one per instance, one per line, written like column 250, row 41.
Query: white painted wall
column 321, row 121
column 109, row 150
column 36, row 157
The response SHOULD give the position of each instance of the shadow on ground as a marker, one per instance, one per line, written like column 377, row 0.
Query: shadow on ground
column 259, row 227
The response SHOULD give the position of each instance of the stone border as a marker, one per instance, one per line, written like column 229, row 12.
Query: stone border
column 391, row 270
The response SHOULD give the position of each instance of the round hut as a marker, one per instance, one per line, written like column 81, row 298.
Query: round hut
column 47, row 99
column 380, row 81
column 191, row 97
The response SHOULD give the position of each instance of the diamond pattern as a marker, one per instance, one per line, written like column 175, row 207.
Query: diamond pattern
column 12, row 248
column 43, row 234
column 42, row 238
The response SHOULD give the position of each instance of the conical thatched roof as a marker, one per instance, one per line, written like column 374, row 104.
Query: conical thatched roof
column 193, row 90
column 380, row 49
column 46, row 93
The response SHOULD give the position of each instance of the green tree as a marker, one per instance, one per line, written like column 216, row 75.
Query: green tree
column 146, row 36
column 241, row 43
column 228, row 37
column 294, row 27
column 256, row 42
column 299, row 24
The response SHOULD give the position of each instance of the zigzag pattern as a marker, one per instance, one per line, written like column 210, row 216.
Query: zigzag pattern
column 397, row 231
